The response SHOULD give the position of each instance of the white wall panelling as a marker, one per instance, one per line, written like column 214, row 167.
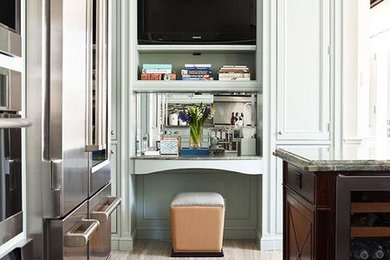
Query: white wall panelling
column 301, row 68
column 114, row 188
column 303, row 31
column 123, row 239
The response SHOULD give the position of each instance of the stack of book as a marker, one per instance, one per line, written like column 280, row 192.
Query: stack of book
column 234, row 72
column 197, row 72
column 157, row 72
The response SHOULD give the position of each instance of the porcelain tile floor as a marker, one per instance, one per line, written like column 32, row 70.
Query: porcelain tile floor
column 161, row 249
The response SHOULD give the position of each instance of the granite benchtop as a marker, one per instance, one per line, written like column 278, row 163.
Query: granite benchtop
column 200, row 158
column 364, row 157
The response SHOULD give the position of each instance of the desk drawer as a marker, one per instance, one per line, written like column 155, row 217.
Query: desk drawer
column 300, row 181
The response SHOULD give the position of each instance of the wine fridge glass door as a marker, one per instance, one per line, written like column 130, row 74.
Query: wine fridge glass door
column 363, row 217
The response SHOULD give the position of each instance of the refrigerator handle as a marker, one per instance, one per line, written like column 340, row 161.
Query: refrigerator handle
column 90, row 81
column 14, row 123
column 82, row 233
column 102, row 216
column 97, row 103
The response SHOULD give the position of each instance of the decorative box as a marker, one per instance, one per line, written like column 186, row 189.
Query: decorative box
column 170, row 146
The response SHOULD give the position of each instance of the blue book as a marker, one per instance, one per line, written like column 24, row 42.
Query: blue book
column 198, row 68
column 187, row 152
column 157, row 66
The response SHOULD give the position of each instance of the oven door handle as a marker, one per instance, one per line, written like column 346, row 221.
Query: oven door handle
column 78, row 239
column 14, row 123
column 11, row 175
column 102, row 216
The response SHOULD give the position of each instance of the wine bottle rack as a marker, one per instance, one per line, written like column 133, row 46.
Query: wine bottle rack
column 370, row 225
column 366, row 207
column 369, row 249
column 370, row 232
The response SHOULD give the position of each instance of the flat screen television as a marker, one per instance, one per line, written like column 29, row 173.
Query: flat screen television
column 197, row 21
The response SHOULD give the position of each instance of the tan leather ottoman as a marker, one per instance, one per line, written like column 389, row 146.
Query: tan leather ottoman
column 197, row 224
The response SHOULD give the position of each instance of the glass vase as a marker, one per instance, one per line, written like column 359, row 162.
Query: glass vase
column 196, row 136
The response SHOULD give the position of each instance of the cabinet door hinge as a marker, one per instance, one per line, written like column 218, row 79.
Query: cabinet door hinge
column 328, row 127
column 329, row 50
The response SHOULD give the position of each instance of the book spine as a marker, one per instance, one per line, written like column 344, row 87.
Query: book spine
column 195, row 72
column 157, row 66
column 204, row 79
column 197, row 68
column 233, row 71
column 235, row 66
column 234, row 79
column 197, row 65
column 197, row 76
column 158, row 76
column 164, row 71
column 230, row 75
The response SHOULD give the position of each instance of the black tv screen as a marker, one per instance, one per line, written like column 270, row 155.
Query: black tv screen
column 197, row 21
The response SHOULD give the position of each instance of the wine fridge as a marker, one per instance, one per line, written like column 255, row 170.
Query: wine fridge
column 363, row 217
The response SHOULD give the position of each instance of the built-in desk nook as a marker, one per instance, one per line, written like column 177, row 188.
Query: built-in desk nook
column 164, row 81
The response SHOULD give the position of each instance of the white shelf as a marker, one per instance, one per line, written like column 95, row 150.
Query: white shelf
column 196, row 86
column 196, row 48
column 253, row 166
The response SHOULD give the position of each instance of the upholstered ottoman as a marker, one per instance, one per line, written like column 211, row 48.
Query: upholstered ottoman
column 197, row 224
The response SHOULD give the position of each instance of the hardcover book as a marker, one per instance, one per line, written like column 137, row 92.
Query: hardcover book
column 157, row 66
column 158, row 76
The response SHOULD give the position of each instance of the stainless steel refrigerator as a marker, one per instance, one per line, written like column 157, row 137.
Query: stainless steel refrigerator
column 72, row 104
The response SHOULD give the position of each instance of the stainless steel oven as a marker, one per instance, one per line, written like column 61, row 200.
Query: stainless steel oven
column 11, row 215
column 11, row 220
column 10, row 31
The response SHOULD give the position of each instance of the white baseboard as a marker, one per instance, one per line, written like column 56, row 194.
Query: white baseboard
column 270, row 242
column 114, row 244
column 356, row 141
column 122, row 244
column 165, row 234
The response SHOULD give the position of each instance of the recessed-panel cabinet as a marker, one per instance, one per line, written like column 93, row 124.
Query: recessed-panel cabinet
column 115, row 177
column 114, row 113
column 300, row 229
column 303, row 71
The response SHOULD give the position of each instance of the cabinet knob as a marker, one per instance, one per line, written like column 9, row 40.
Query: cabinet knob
column 112, row 132
column 280, row 133
column 112, row 152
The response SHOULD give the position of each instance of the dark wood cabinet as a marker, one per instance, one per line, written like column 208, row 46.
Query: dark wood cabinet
column 309, row 214
column 299, row 227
